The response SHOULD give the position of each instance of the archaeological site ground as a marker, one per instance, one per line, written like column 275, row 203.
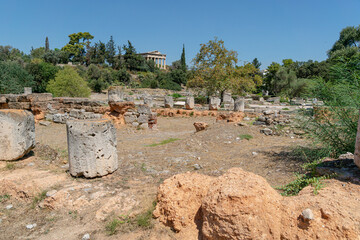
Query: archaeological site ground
column 141, row 164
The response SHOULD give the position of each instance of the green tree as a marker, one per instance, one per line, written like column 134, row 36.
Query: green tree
column 214, row 66
column 183, row 60
column 37, row 52
column 349, row 37
column 42, row 72
column 133, row 61
column 10, row 53
column 256, row 63
column 110, row 51
column 287, row 62
column 76, row 46
column 47, row 44
column 68, row 83
column 13, row 78
column 245, row 79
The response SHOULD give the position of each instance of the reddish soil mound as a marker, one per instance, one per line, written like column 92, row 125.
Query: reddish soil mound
column 242, row 205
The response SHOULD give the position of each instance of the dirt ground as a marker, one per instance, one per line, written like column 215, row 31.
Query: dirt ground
column 88, row 205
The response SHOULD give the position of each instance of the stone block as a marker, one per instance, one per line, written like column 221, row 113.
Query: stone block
column 121, row 107
column 143, row 109
column 143, row 118
column 40, row 97
column 17, row 134
column 115, row 94
column 130, row 118
column 92, row 148
column 190, row 103
column 19, row 105
column 74, row 113
column 227, row 98
column 239, row 105
column 169, row 102
column 149, row 101
column 27, row 90
column 214, row 103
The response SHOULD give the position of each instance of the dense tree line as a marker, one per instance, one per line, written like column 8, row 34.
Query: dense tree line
column 99, row 64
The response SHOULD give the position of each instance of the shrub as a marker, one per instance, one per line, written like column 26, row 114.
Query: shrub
column 68, row 83
column 201, row 99
column 13, row 78
column 42, row 72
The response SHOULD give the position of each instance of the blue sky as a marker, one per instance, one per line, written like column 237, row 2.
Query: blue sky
column 268, row 30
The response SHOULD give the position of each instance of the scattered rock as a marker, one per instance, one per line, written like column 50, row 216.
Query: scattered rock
column 86, row 237
column 200, row 126
column 307, row 215
column 8, row 207
column 197, row 166
column 266, row 131
column 347, row 155
column 254, row 153
column 242, row 124
column 51, row 193
column 44, row 123
column 31, row 226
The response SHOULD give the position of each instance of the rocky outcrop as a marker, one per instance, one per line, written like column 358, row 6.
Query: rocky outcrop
column 179, row 200
column 242, row 205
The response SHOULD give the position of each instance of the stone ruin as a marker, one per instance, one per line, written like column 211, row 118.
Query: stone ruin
column 91, row 147
column 17, row 134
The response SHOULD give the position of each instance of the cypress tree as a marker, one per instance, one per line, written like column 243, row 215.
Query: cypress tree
column 182, row 60
column 46, row 44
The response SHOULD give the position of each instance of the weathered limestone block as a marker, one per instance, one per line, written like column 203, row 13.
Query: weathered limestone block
column 27, row 90
column 143, row 118
column 214, row 103
column 115, row 94
column 143, row 109
column 239, row 105
column 227, row 98
column 17, row 134
column 40, row 97
column 169, row 102
column 190, row 103
column 149, row 101
column 357, row 146
column 91, row 147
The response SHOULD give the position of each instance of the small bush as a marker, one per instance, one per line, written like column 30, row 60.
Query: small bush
column 41, row 196
column 201, row 99
column 4, row 197
column 245, row 136
column 176, row 95
column 68, row 83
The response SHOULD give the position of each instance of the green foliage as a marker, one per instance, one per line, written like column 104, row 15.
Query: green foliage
column 201, row 99
column 68, row 83
column 214, row 66
column 4, row 197
column 176, row 95
column 10, row 166
column 76, row 45
column 121, row 76
column 183, row 60
column 8, row 53
column 349, row 37
column 245, row 136
column 41, row 196
column 37, row 53
column 256, row 63
column 170, row 140
column 42, row 72
column 133, row 61
column 13, row 78
column 302, row 181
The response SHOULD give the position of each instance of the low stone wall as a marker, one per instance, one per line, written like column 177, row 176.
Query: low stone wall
column 44, row 105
